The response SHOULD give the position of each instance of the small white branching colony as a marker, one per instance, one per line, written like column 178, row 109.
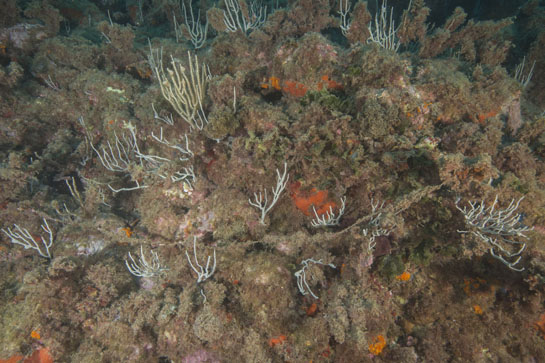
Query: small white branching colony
column 329, row 218
column 197, row 32
column 21, row 236
column 344, row 11
column 499, row 228
column 239, row 16
column 144, row 268
column 384, row 32
column 203, row 273
column 261, row 201
column 301, row 276
column 374, row 229
column 519, row 73
column 184, row 88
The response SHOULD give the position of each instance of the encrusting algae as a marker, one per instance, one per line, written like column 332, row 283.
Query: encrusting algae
column 267, row 181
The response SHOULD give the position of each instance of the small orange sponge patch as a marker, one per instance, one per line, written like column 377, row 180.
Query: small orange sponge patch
column 540, row 325
column 405, row 276
column 35, row 334
column 275, row 341
column 378, row 345
column 128, row 231
column 306, row 201
column 39, row 356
